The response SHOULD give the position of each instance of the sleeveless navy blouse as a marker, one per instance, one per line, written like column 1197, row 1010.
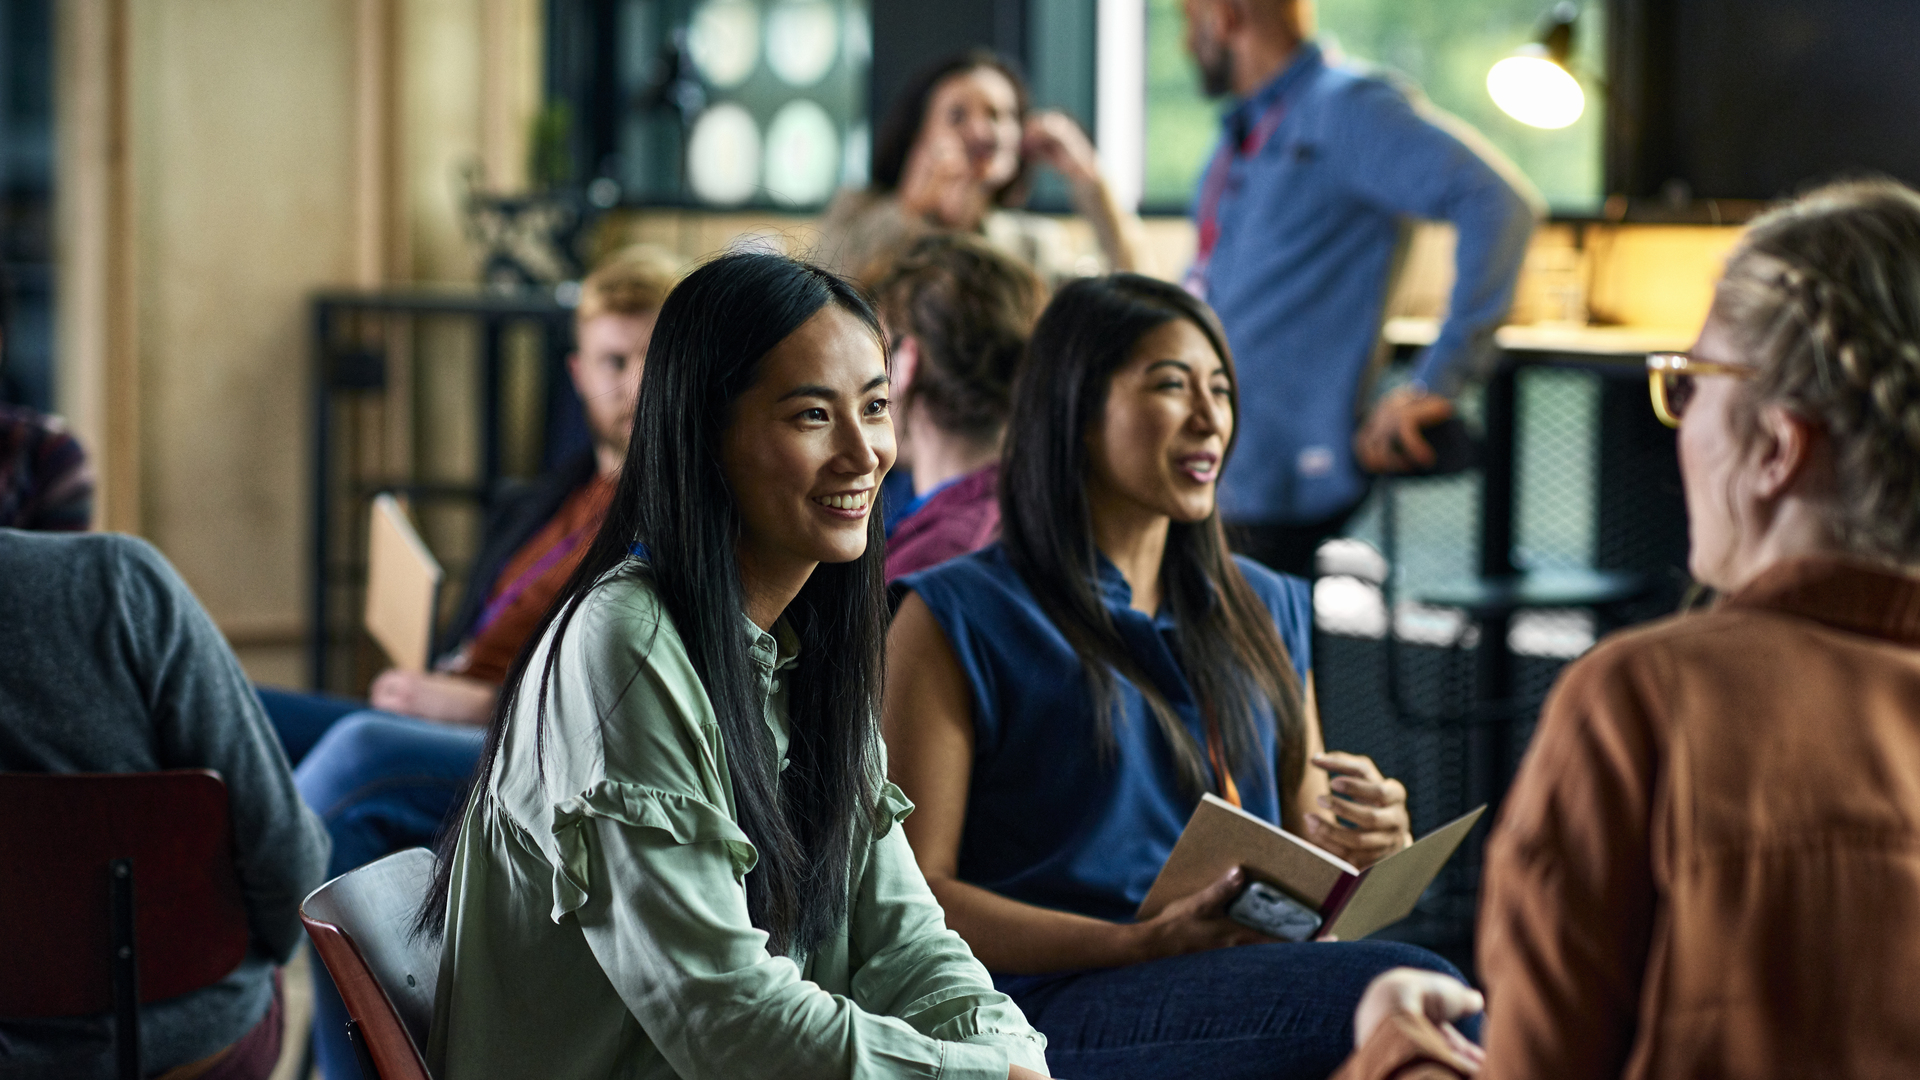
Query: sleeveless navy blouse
column 1050, row 819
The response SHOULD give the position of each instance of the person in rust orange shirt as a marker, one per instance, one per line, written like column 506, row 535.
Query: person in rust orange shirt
column 383, row 778
column 1710, row 862
column 535, row 541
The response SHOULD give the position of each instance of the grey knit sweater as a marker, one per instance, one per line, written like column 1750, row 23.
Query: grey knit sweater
column 109, row 664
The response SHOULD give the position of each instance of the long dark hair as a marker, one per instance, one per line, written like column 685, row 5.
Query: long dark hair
column 1228, row 645
column 893, row 140
column 707, row 347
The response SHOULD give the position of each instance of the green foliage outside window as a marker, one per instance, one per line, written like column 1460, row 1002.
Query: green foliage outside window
column 1444, row 46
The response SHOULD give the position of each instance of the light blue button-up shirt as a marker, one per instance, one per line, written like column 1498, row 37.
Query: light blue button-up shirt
column 1310, row 224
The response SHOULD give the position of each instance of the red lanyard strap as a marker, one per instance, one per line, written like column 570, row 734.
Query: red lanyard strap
column 1207, row 217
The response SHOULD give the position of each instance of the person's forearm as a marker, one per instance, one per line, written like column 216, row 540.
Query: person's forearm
column 1117, row 230
column 1016, row 938
column 1313, row 782
column 667, row 924
column 438, row 696
column 209, row 716
column 472, row 703
column 1493, row 227
column 1305, row 802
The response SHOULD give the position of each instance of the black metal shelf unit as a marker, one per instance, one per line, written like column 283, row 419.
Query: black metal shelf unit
column 354, row 347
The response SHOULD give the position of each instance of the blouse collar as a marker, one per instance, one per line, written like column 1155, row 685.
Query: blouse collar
column 1246, row 113
column 1118, row 595
column 772, row 650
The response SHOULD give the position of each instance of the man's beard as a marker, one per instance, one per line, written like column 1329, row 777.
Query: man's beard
column 1216, row 74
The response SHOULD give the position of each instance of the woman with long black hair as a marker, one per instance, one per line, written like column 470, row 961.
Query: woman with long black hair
column 680, row 857
column 1059, row 702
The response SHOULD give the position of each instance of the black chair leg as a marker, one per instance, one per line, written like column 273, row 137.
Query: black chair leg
column 126, row 970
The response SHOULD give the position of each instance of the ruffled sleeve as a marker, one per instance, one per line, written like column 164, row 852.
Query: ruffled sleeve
column 661, row 905
column 893, row 808
column 910, row 965
column 636, row 823
column 684, row 818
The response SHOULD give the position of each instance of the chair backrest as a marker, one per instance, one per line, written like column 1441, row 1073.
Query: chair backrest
column 58, row 832
column 361, row 924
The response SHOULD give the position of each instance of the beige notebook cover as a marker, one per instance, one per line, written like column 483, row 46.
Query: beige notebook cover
column 403, row 586
column 1353, row 902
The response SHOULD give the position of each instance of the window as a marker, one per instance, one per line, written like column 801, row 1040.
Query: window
column 1445, row 46
column 712, row 103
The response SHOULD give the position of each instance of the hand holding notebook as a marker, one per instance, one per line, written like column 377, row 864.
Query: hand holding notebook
column 1351, row 902
column 1363, row 815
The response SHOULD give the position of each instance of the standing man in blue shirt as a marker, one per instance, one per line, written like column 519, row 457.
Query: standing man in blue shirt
column 1302, row 213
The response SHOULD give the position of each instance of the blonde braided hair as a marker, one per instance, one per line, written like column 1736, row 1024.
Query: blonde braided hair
column 1824, row 296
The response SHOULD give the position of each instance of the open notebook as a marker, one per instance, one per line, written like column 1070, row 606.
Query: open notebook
column 403, row 586
column 1352, row 902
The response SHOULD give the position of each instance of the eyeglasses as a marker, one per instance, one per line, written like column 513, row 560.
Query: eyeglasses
column 1670, row 379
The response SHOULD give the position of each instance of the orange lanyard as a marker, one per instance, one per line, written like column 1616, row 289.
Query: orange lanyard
column 1216, row 753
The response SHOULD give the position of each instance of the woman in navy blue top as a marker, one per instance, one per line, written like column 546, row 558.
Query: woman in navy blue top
column 1058, row 702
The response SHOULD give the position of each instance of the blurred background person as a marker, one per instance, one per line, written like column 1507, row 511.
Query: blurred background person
column 534, row 534
column 120, row 670
column 1301, row 216
column 954, row 153
column 45, row 483
column 384, row 778
column 1057, row 704
column 1706, row 866
column 959, row 311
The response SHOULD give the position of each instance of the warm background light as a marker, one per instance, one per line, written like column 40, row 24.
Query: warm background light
column 1536, row 91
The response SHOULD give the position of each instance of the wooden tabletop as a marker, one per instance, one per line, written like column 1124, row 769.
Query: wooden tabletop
column 1634, row 341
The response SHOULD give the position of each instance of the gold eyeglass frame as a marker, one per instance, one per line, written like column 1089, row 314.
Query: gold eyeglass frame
column 1662, row 366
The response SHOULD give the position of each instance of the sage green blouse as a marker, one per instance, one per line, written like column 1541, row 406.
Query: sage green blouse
column 597, row 925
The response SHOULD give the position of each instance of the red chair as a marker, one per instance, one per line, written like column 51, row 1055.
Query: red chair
column 115, row 889
column 361, row 924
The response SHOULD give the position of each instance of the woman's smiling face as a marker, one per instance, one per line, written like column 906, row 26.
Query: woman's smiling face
column 1163, row 436
column 808, row 445
column 980, row 108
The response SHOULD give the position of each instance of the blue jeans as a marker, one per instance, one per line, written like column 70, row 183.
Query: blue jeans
column 381, row 783
column 300, row 718
column 1255, row 1011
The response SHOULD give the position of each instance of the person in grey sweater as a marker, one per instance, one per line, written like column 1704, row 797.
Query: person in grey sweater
column 109, row 664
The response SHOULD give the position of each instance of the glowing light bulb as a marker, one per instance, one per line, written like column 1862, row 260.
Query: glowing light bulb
column 1536, row 91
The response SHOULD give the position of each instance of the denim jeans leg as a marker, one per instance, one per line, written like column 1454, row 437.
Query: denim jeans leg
column 1271, row 1012
column 382, row 784
column 300, row 719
